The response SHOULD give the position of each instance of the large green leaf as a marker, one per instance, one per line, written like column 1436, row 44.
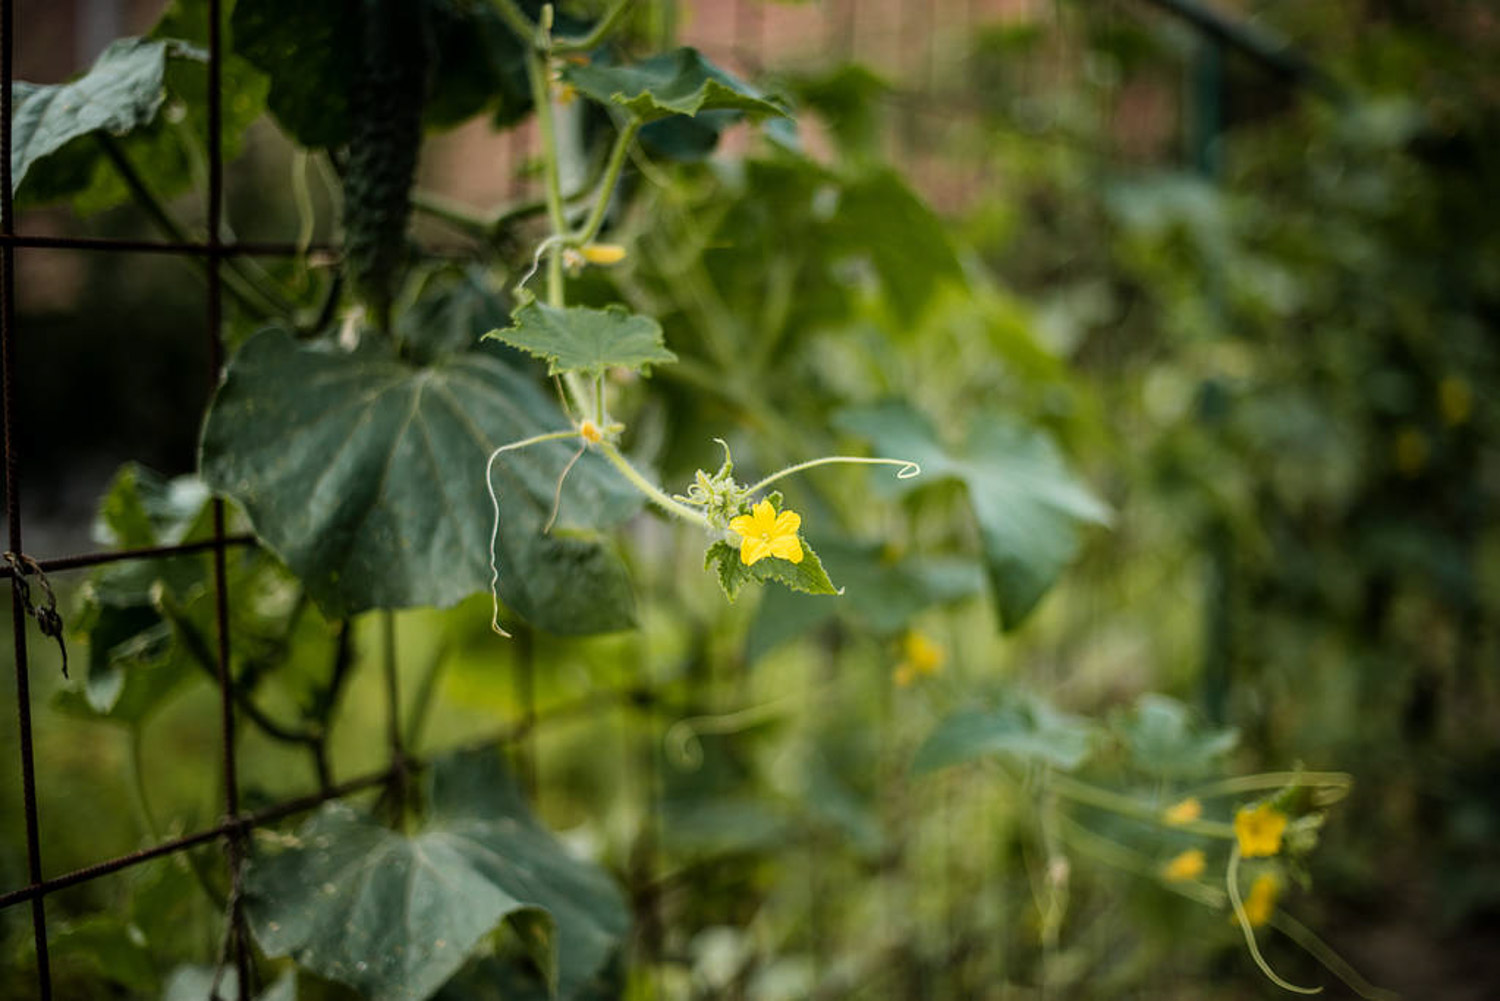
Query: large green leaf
column 672, row 83
column 1027, row 730
column 1027, row 503
column 395, row 915
column 367, row 476
column 579, row 339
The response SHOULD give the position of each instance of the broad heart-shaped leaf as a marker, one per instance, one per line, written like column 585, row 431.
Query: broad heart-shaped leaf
column 367, row 476
column 1027, row 503
column 394, row 915
column 807, row 576
column 580, row 339
column 672, row 83
column 1164, row 739
column 1025, row 729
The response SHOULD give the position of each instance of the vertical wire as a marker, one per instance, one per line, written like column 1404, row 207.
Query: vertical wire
column 13, row 503
column 235, row 841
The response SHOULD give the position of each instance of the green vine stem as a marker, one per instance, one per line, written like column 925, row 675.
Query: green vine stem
column 1232, row 883
column 651, row 490
column 907, row 470
column 597, row 34
column 612, row 168
column 1104, row 799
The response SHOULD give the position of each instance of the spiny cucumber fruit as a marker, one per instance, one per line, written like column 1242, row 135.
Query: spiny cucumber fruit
column 385, row 108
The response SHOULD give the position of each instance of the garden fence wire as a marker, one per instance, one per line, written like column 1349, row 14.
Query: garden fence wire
column 841, row 23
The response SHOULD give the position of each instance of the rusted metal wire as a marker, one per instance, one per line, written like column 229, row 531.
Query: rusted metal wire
column 13, row 500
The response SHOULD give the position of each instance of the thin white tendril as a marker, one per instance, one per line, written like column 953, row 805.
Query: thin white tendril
column 536, row 259
column 557, row 495
column 1231, row 881
column 907, row 470
column 489, row 484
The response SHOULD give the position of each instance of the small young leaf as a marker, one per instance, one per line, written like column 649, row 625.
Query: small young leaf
column 579, row 339
column 672, row 83
column 807, row 576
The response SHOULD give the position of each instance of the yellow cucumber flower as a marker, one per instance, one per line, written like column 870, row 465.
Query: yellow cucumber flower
column 921, row 657
column 764, row 533
column 1261, row 902
column 1184, row 812
column 1259, row 830
column 1184, row 867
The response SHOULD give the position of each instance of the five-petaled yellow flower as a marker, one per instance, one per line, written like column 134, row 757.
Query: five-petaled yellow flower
column 1259, row 830
column 1189, row 865
column 764, row 533
column 1261, row 903
column 1184, row 812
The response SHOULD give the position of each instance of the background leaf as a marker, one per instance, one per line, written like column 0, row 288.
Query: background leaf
column 1026, row 730
column 1027, row 503
column 394, row 916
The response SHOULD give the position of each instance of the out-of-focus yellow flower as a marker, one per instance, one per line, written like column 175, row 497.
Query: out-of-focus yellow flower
column 1455, row 400
column 1184, row 812
column 1186, row 866
column 764, row 533
column 1261, row 902
column 1259, row 830
column 602, row 253
column 589, row 432
column 1410, row 451
column 920, row 657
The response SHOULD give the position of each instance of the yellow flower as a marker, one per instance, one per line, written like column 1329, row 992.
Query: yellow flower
column 1184, row 812
column 589, row 432
column 1456, row 400
column 1188, row 865
column 1411, row 451
column 1259, row 830
column 1261, row 902
column 602, row 253
column 764, row 533
column 920, row 657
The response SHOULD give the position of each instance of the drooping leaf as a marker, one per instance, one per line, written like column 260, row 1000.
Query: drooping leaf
column 1026, row 730
column 681, row 82
column 121, row 92
column 367, row 476
column 1027, row 503
column 143, row 509
column 1164, row 739
column 807, row 576
column 580, row 339
column 395, row 916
